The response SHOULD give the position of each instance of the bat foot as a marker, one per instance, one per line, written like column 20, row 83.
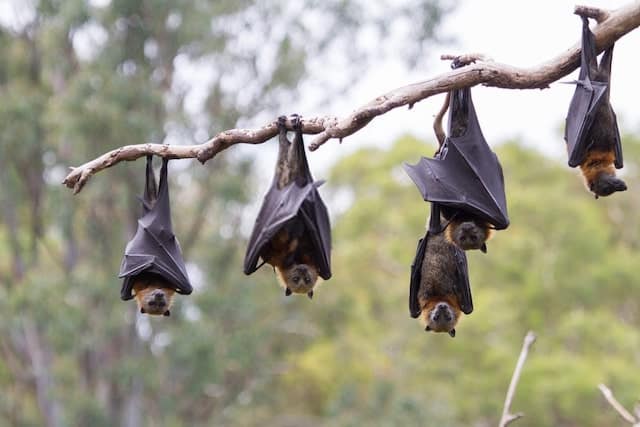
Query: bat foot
column 310, row 294
column 287, row 292
column 166, row 313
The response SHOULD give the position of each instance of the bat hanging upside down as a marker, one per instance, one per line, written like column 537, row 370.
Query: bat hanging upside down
column 153, row 293
column 444, row 285
column 288, row 252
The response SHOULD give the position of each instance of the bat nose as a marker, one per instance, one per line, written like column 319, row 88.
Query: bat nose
column 159, row 296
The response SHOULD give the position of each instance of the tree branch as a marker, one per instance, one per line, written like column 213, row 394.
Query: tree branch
column 507, row 416
column 612, row 26
column 608, row 394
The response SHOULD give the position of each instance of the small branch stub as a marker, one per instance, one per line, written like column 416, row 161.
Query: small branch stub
column 507, row 417
column 626, row 415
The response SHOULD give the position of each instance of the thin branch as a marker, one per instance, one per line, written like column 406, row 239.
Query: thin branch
column 608, row 394
column 617, row 23
column 507, row 416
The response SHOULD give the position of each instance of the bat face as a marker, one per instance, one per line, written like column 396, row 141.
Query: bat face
column 469, row 234
column 154, row 296
column 441, row 318
column 299, row 279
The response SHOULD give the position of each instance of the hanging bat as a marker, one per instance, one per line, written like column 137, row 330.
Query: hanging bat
column 464, row 178
column 591, row 131
column 152, row 267
column 292, row 231
column 439, row 288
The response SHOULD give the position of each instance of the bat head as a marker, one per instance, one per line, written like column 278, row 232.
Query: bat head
column 299, row 279
column 605, row 184
column 154, row 296
column 469, row 233
column 442, row 317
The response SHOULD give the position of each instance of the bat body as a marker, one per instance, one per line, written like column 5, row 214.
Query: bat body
column 439, row 290
column 153, row 294
column 292, row 231
column 152, row 267
column 591, row 131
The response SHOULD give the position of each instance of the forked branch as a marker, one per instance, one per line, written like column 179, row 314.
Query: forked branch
column 612, row 26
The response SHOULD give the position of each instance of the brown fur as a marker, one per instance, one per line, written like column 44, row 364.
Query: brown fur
column 289, row 255
column 599, row 173
column 153, row 294
column 469, row 233
column 440, row 306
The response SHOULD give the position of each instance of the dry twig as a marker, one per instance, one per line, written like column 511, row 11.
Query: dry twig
column 613, row 25
column 507, row 417
column 628, row 417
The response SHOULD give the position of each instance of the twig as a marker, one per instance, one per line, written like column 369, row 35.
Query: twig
column 608, row 394
column 507, row 417
column 592, row 12
column 617, row 23
column 437, row 121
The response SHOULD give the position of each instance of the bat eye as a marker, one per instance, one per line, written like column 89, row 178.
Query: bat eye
column 307, row 280
column 296, row 279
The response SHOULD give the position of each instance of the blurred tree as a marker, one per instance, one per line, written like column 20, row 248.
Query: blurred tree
column 80, row 77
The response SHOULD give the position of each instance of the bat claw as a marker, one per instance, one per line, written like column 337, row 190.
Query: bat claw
column 287, row 292
column 483, row 248
column 166, row 313
column 142, row 310
column 428, row 328
column 310, row 294
column 452, row 333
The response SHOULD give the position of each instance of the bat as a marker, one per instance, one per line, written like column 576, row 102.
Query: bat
column 464, row 178
column 152, row 267
column 439, row 287
column 591, row 130
column 292, row 232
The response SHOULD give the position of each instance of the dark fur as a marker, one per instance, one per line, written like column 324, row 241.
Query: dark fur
column 438, row 301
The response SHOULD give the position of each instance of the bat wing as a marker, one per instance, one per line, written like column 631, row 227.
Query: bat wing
column 316, row 218
column 154, row 248
column 462, row 287
column 416, row 277
column 590, row 94
column 466, row 174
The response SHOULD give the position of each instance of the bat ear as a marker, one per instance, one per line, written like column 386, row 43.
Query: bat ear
column 166, row 313
column 287, row 292
column 483, row 248
column 310, row 294
column 142, row 310
column 452, row 333
column 428, row 328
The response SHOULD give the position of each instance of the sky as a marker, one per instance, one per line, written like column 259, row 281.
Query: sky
column 518, row 33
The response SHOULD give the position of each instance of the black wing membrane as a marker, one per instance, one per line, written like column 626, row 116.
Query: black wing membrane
column 154, row 248
column 300, row 199
column 465, row 174
column 592, row 90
